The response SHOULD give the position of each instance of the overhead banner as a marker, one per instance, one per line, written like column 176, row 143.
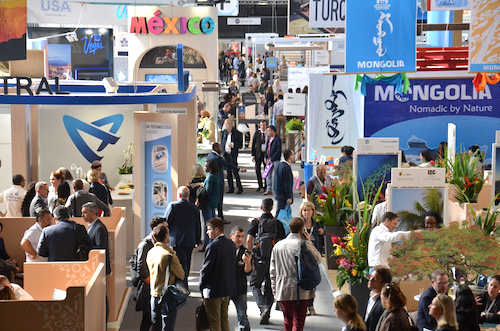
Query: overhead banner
column 156, row 137
column 484, row 38
column 420, row 118
column 381, row 36
column 12, row 30
column 299, row 76
column 327, row 13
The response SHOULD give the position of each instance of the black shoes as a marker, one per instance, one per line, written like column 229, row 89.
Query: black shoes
column 239, row 191
column 264, row 316
column 230, row 191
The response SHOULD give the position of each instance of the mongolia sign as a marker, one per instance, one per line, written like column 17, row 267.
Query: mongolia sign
column 174, row 25
column 484, row 48
column 381, row 36
column 327, row 13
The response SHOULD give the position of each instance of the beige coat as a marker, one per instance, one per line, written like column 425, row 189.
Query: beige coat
column 283, row 268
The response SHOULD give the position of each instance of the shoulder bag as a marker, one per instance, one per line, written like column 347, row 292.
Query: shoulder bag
column 177, row 292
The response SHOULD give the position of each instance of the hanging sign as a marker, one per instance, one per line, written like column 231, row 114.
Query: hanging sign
column 327, row 13
column 381, row 36
column 294, row 104
column 484, row 40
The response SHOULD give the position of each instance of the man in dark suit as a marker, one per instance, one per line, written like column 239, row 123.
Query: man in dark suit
column 258, row 153
column 439, row 285
column 232, row 142
column 374, row 309
column 97, row 231
column 59, row 242
column 272, row 154
column 40, row 199
column 216, row 155
column 217, row 275
column 80, row 197
column 183, row 219
column 283, row 181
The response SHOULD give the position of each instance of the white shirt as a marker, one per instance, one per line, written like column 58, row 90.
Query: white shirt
column 371, row 303
column 228, row 143
column 20, row 293
column 379, row 210
column 379, row 244
column 13, row 198
column 278, row 107
column 33, row 235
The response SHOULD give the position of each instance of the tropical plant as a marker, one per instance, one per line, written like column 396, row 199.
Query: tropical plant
column 353, row 248
column 128, row 165
column 378, row 176
column 335, row 199
column 486, row 220
column 294, row 124
column 432, row 200
column 466, row 249
column 463, row 176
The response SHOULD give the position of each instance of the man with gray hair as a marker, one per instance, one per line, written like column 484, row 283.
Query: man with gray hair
column 183, row 220
column 80, row 197
column 232, row 142
column 40, row 199
column 59, row 242
column 97, row 231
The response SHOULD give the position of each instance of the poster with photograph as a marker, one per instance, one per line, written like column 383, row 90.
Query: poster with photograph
column 156, row 137
column 371, row 171
column 410, row 204
column 13, row 18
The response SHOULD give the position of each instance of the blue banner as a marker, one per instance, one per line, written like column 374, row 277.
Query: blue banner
column 157, row 170
column 420, row 118
column 380, row 36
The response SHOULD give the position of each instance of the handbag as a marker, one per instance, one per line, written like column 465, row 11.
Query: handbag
column 285, row 216
column 82, row 251
column 269, row 167
column 201, row 318
column 177, row 292
column 413, row 327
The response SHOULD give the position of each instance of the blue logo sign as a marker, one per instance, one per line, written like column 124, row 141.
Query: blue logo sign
column 55, row 6
column 380, row 36
column 92, row 43
column 75, row 126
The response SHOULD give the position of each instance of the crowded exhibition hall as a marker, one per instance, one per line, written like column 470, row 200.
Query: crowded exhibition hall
column 250, row 165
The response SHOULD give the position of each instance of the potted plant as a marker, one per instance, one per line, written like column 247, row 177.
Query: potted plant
column 464, row 177
column 294, row 125
column 293, row 133
column 126, row 169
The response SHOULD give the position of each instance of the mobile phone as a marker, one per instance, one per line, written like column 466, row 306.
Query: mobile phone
column 249, row 252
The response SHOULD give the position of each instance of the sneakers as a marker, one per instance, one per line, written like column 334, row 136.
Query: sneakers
column 264, row 316
column 268, row 193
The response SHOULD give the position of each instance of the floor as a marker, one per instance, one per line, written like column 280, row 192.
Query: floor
column 240, row 209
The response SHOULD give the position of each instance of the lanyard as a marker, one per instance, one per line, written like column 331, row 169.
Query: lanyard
column 491, row 306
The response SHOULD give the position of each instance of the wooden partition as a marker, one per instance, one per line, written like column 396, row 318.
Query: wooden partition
column 116, row 284
column 412, row 288
column 13, row 232
column 83, row 308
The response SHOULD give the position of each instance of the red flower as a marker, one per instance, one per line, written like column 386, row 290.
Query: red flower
column 322, row 196
column 342, row 244
column 335, row 239
column 323, row 188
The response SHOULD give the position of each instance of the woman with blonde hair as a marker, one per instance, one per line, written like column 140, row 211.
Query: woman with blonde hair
column 101, row 191
column 197, row 179
column 6, row 293
column 308, row 213
column 346, row 306
column 442, row 308
column 395, row 316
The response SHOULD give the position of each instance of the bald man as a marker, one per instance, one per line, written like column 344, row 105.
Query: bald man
column 183, row 220
column 314, row 186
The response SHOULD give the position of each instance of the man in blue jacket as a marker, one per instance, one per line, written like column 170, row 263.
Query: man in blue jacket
column 218, row 276
column 283, row 181
column 183, row 219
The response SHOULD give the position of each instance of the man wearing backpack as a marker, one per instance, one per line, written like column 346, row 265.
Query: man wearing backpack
column 140, row 275
column 284, row 275
column 266, row 230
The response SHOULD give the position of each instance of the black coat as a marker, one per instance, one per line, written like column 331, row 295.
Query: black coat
column 424, row 320
column 372, row 319
column 183, row 219
column 283, row 181
column 59, row 242
column 236, row 139
column 257, row 143
column 98, row 234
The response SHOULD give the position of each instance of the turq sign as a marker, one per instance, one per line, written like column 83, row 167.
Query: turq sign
column 380, row 36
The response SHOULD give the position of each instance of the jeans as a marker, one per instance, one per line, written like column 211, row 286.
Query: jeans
column 294, row 315
column 216, row 309
column 240, row 302
column 261, row 275
column 269, row 179
column 184, row 255
column 163, row 315
column 208, row 213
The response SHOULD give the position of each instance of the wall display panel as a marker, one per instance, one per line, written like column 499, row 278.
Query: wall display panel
column 75, row 135
column 373, row 170
column 410, row 204
column 484, row 38
column 165, row 57
column 13, row 30
column 420, row 118
column 495, row 169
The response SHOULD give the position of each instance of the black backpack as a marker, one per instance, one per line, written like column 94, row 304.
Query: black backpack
column 134, row 272
column 266, row 236
column 308, row 274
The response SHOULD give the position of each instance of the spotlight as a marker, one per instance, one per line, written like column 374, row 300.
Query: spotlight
column 72, row 37
column 89, row 31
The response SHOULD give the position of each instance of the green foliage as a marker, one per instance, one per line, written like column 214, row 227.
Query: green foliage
column 486, row 220
column 463, row 175
column 432, row 201
column 334, row 200
column 467, row 249
column 294, row 124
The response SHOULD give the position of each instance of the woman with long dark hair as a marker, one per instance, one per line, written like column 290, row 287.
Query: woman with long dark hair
column 395, row 316
column 466, row 309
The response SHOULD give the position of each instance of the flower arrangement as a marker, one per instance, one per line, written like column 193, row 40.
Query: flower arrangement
column 466, row 249
column 461, row 172
column 128, row 165
column 294, row 124
column 352, row 249
column 334, row 201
